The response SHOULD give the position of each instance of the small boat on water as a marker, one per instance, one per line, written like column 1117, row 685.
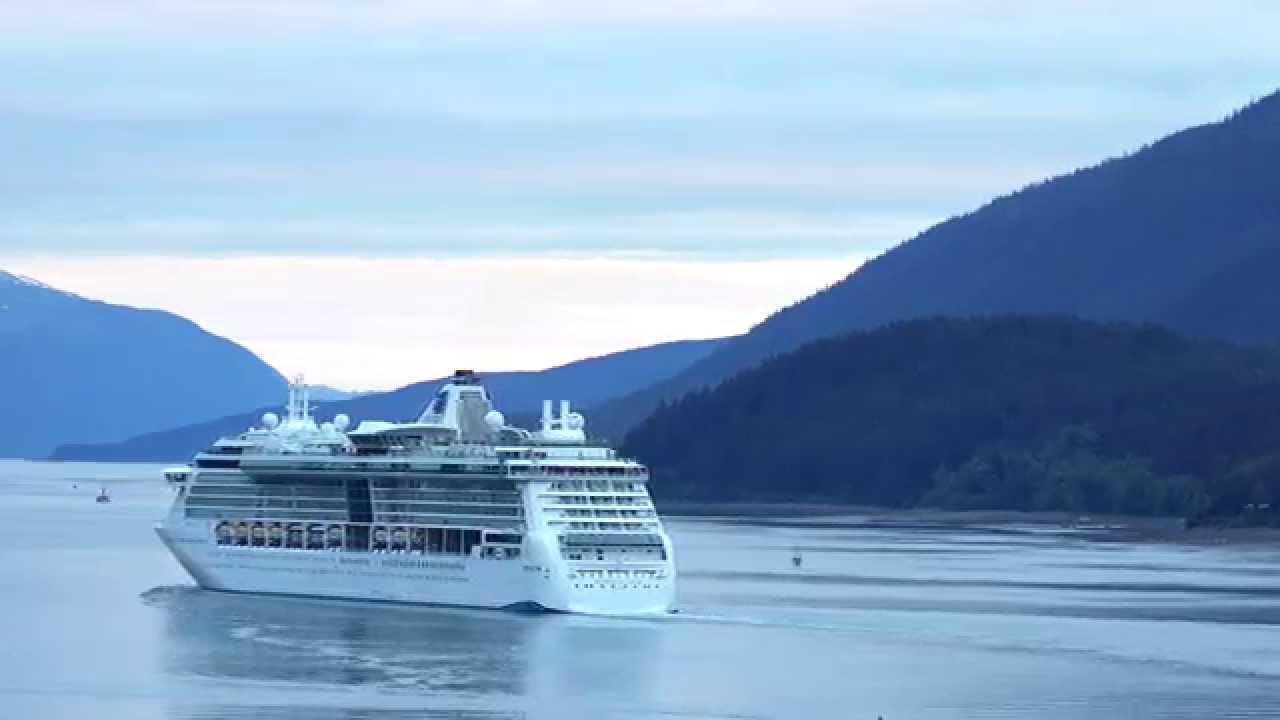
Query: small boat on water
column 103, row 496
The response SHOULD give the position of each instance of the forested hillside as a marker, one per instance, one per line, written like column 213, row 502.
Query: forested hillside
column 1029, row 413
column 1184, row 232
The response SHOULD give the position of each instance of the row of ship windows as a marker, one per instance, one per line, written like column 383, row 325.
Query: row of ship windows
column 460, row 468
column 342, row 505
column 578, row 540
column 437, row 509
column 336, row 516
column 597, row 485
column 509, row 498
column 490, row 484
column 599, row 526
column 265, row 502
column 623, row 586
column 614, row 575
column 606, row 513
column 597, row 500
column 235, row 513
column 330, row 465
column 616, row 579
column 338, row 494
column 601, row 554
column 325, row 487
column 309, row 491
column 577, row 470
column 455, row 520
column 365, row 538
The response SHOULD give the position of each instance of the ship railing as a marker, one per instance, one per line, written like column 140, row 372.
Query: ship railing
column 373, row 538
column 590, row 496
column 462, row 450
column 636, row 474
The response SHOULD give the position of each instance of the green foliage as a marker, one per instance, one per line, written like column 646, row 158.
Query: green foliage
column 1182, row 233
column 1009, row 412
column 1066, row 473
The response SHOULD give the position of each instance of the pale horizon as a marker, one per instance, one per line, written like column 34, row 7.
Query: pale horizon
column 264, row 167
column 379, row 324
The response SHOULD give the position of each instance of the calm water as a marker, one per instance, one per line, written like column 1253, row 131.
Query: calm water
column 1009, row 622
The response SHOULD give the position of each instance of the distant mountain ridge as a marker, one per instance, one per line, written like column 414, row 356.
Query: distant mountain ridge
column 326, row 393
column 1184, row 232
column 75, row 369
column 518, row 394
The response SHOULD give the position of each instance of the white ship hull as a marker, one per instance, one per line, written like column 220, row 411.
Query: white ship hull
column 408, row 577
column 436, row 511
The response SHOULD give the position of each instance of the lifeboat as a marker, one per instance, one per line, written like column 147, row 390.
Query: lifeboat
column 336, row 536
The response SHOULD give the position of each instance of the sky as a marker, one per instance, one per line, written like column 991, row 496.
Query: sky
column 375, row 193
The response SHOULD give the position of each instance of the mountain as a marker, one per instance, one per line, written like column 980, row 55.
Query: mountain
column 518, row 394
column 1184, row 232
column 326, row 393
column 1025, row 413
column 78, row 370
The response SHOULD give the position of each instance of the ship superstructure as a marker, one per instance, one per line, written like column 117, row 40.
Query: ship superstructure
column 454, row 508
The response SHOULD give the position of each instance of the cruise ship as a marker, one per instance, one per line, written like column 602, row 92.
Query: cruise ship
column 454, row 508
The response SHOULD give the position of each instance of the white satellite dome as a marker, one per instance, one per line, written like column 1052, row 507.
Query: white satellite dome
column 341, row 422
column 270, row 420
column 575, row 421
column 495, row 420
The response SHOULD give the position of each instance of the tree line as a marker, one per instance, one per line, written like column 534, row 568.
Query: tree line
column 1015, row 412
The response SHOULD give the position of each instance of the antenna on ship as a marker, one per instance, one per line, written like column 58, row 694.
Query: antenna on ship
column 299, row 399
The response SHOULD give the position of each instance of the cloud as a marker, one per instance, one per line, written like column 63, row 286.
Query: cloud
column 266, row 14
column 709, row 235
column 692, row 128
column 363, row 322
column 530, row 182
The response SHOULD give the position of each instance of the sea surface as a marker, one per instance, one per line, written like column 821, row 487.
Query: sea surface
column 97, row 622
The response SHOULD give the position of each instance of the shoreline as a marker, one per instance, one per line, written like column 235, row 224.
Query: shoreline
column 1100, row 528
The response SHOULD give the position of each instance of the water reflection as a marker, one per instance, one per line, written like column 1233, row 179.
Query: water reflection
column 463, row 663
column 274, row 712
column 334, row 643
column 904, row 623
